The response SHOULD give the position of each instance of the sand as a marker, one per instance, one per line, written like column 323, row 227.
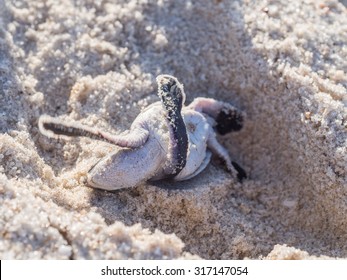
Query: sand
column 282, row 62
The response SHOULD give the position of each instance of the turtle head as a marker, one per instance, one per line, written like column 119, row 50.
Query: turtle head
column 229, row 119
column 171, row 92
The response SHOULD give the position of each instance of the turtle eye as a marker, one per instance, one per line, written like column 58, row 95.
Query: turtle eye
column 229, row 120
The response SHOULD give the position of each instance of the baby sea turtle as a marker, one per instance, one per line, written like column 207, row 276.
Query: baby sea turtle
column 166, row 140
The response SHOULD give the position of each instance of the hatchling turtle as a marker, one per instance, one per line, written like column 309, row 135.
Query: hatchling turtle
column 167, row 140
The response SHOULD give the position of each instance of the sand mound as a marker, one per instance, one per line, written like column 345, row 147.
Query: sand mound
column 283, row 63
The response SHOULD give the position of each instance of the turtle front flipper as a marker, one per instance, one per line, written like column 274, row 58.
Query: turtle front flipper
column 56, row 128
column 172, row 97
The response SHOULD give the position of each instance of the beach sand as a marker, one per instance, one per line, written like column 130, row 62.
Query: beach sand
column 282, row 62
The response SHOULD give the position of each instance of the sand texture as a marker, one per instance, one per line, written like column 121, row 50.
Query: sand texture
column 283, row 62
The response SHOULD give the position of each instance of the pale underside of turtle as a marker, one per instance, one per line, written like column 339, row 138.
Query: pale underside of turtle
column 166, row 140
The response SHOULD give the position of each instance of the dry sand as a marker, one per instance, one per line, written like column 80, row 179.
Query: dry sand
column 282, row 62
